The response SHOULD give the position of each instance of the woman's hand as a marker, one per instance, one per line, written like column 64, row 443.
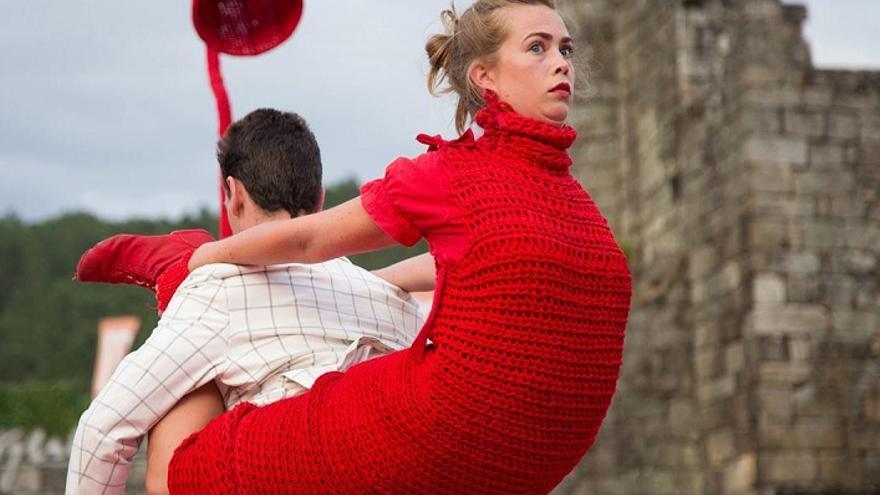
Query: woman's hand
column 202, row 255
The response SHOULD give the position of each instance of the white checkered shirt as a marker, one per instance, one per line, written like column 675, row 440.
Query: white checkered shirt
column 261, row 333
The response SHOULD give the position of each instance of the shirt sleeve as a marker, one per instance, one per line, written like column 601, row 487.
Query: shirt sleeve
column 183, row 353
column 411, row 201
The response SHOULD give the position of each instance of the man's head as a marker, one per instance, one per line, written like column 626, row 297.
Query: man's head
column 271, row 167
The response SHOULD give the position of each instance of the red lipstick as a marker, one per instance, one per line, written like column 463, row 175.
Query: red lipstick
column 562, row 87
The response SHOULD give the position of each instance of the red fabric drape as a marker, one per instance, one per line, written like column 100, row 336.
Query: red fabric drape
column 243, row 28
column 224, row 116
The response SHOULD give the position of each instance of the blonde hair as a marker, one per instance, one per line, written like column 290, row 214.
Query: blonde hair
column 476, row 34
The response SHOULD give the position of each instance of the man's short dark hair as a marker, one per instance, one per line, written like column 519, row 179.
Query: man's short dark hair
column 276, row 157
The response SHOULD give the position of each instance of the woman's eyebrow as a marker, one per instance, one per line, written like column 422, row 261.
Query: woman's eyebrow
column 547, row 36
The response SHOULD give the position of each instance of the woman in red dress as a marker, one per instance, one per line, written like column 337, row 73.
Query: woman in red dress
column 527, row 326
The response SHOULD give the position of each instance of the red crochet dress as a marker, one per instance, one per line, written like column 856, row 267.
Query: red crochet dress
column 527, row 333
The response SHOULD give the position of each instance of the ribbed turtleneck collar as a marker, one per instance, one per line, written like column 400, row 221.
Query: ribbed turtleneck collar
column 512, row 134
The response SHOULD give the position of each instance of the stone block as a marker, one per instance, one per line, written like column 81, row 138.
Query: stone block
column 852, row 154
column 790, row 150
column 28, row 480
column 803, row 288
column 789, row 467
column 800, row 348
column 863, row 323
column 827, row 156
column 740, row 476
column 772, row 97
column 805, row 123
column 701, row 261
column 771, row 177
column 843, row 125
column 839, row 291
column 868, row 158
column 734, row 358
column 721, row 388
column 847, row 207
column 789, row 319
column 731, row 276
column 861, row 236
column 770, row 348
column 829, row 182
column 812, row 434
column 599, row 118
column 765, row 74
column 872, row 409
column 762, row 10
column 54, row 477
column 834, row 468
column 823, row 234
column 785, row 373
column 605, row 150
column 818, row 96
column 768, row 289
column 858, row 262
column 681, row 414
column 767, row 232
column 870, row 133
column 689, row 483
column 762, row 119
column 707, row 363
column 775, row 405
column 767, row 202
column 720, row 446
column 863, row 438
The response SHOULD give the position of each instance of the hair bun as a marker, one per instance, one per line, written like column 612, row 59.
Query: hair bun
column 450, row 20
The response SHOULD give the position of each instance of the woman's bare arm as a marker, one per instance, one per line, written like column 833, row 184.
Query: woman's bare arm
column 416, row 274
column 188, row 416
column 342, row 230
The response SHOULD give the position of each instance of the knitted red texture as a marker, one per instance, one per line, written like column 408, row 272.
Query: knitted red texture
column 527, row 338
column 170, row 279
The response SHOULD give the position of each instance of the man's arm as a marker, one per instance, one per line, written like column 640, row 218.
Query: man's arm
column 182, row 354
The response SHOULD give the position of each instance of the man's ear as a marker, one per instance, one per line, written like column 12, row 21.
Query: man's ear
column 481, row 75
column 235, row 196
column 320, row 205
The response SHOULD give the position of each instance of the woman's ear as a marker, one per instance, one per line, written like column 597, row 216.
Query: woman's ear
column 481, row 75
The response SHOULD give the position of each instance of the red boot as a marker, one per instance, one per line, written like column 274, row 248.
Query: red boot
column 158, row 262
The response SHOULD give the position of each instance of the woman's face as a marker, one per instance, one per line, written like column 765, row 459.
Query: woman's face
column 533, row 71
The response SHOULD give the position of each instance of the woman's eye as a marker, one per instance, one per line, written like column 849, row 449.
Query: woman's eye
column 566, row 51
column 536, row 48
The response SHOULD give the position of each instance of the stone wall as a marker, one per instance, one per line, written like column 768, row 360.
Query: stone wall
column 745, row 184
column 33, row 464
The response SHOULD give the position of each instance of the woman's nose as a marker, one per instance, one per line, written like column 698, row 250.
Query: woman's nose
column 563, row 65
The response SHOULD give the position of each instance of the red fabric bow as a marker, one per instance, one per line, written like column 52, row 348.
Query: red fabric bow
column 436, row 142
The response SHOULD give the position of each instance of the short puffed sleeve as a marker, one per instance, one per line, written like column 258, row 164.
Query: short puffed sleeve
column 412, row 201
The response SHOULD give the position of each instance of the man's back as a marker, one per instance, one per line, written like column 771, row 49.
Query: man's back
column 260, row 333
column 289, row 324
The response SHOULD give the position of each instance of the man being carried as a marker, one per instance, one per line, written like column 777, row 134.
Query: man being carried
column 255, row 334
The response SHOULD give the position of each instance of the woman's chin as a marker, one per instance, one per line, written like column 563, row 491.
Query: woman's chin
column 556, row 116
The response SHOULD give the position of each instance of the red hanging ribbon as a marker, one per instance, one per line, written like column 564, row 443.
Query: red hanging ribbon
column 224, row 115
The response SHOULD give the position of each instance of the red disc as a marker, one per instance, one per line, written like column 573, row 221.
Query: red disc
column 245, row 27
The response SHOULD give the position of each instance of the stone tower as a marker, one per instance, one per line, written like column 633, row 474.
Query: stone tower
column 744, row 184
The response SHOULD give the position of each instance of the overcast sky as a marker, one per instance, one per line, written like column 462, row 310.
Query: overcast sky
column 105, row 106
